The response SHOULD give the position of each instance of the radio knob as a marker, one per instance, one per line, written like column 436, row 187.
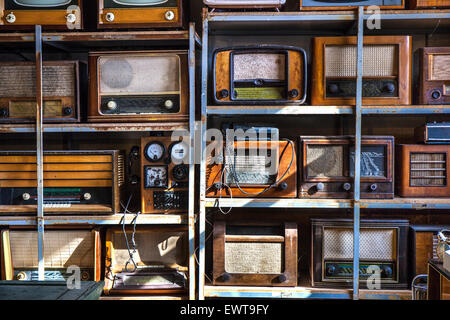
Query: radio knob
column 87, row 196
column 331, row 270
column 223, row 94
column 281, row 278
column 71, row 18
column 168, row 104
column 386, row 272
column 373, row 187
column 436, row 95
column 320, row 186
column 26, row 196
column 10, row 18
column 67, row 111
column 347, row 186
column 110, row 17
column 282, row 186
column 389, row 87
column 226, row 277
column 293, row 93
column 170, row 15
column 333, row 88
column 21, row 276
column 3, row 112
column 85, row 276
column 112, row 105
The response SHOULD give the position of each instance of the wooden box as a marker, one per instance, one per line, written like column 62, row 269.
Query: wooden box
column 349, row 5
column 429, row 4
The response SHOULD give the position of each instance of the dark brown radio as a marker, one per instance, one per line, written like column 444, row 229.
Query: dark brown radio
column 244, row 4
column 433, row 133
column 327, row 167
column 429, row 4
column 383, row 253
column 261, row 74
column 349, row 4
column 422, row 170
column 51, row 14
column 62, row 249
column 138, row 86
column 386, row 71
column 255, row 254
column 60, row 90
column 114, row 14
column 434, row 75
column 75, row 182
column 252, row 169
column 158, row 263
column 165, row 175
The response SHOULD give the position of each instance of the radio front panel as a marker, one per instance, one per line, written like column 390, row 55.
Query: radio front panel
column 386, row 71
column 62, row 249
column 349, row 5
column 124, row 86
column 383, row 253
column 161, row 260
column 327, row 169
column 429, row 4
column 114, row 14
column 75, row 182
column 244, row 4
column 434, row 75
column 433, row 133
column 60, row 89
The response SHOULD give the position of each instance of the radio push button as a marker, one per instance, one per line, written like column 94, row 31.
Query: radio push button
column 10, row 18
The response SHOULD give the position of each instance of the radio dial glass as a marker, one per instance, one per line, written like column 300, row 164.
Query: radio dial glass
column 154, row 151
column 178, row 151
column 156, row 177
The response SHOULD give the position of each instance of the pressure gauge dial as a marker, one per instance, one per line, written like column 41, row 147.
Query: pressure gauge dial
column 154, row 151
column 156, row 177
column 178, row 152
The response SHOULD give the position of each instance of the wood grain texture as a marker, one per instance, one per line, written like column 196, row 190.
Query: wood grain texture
column 331, row 7
column 434, row 74
column 424, row 4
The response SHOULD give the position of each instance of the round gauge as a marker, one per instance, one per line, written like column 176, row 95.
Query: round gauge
column 178, row 151
column 154, row 151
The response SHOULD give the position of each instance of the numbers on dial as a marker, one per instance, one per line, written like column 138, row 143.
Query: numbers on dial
column 178, row 152
column 156, row 177
column 154, row 151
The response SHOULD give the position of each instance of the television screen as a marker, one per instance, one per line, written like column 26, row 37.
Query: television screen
column 38, row 4
column 118, row 4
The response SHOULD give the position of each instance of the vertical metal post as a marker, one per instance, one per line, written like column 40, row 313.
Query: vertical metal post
column 202, row 218
column 357, row 182
column 39, row 153
column 191, row 215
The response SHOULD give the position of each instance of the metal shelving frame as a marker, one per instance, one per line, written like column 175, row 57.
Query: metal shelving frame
column 305, row 23
column 68, row 41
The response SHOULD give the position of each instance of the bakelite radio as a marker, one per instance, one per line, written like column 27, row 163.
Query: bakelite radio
column 52, row 14
column 261, row 74
column 75, row 182
column 434, row 133
column 386, row 71
column 165, row 174
column 424, row 240
column 244, row 4
column 254, row 254
column 138, row 86
column 382, row 253
column 158, row 263
column 252, row 169
column 62, row 249
column 349, row 4
column 434, row 75
column 327, row 167
column 429, row 4
column 422, row 170
column 113, row 14
column 60, row 89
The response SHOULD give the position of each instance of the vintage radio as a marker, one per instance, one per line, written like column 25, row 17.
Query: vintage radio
column 426, row 4
column 252, row 169
column 244, row 4
column 261, row 74
column 434, row 75
column 164, row 183
column 252, row 254
column 75, row 182
column 158, row 263
column 60, row 91
column 422, row 171
column 386, row 71
column 434, row 133
column 327, row 168
column 424, row 246
column 62, row 249
column 138, row 86
column 140, row 14
column 349, row 4
column 383, row 253
column 52, row 14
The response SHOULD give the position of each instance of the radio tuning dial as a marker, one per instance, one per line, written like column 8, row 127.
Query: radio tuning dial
column 168, row 104
column 112, row 105
column 347, row 186
column 10, row 18
column 110, row 17
column 87, row 196
column 71, row 18
column 26, row 196
column 170, row 15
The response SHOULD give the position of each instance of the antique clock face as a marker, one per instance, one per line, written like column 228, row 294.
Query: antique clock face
column 156, row 176
column 154, row 151
column 178, row 151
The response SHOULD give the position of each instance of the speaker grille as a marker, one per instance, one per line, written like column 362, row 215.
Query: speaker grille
column 266, row 66
column 249, row 169
column 262, row 258
column 428, row 169
column 62, row 249
column 374, row 244
column 325, row 161
column 379, row 61
column 440, row 67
